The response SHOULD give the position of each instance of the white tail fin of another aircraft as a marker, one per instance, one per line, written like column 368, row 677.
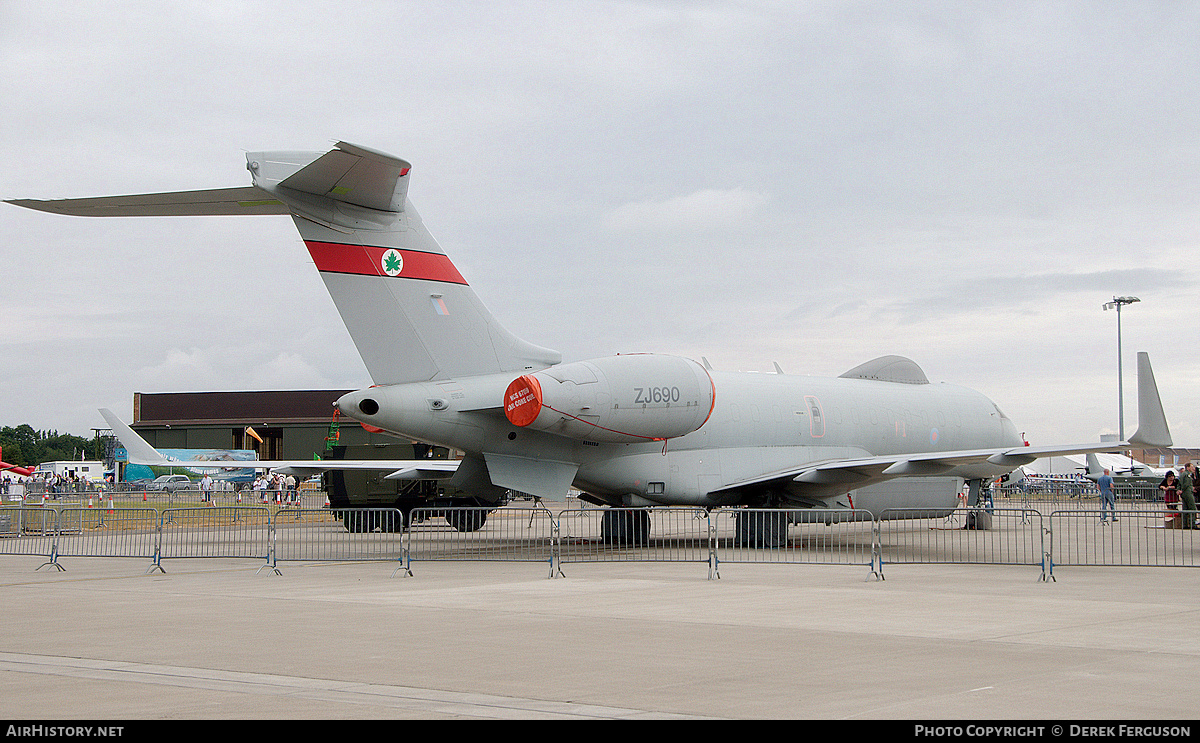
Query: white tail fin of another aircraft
column 1152, row 429
column 139, row 451
column 411, row 315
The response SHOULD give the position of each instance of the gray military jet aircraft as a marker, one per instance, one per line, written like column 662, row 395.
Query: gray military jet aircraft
column 626, row 430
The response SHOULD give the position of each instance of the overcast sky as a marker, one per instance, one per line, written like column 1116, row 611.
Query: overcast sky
column 813, row 184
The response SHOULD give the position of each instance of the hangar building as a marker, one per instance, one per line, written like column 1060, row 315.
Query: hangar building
column 293, row 424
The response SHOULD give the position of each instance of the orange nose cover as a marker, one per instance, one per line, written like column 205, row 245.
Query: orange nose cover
column 523, row 400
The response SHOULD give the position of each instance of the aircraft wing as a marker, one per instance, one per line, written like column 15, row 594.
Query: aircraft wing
column 818, row 480
column 401, row 469
column 140, row 452
column 823, row 479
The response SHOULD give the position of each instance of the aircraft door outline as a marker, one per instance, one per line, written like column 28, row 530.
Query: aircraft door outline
column 816, row 419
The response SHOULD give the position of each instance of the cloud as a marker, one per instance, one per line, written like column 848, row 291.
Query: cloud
column 190, row 369
column 287, row 371
column 249, row 368
column 1040, row 290
column 701, row 211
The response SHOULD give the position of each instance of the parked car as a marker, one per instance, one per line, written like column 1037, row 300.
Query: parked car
column 170, row 483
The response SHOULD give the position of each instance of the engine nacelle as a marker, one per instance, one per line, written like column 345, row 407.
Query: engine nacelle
column 619, row 399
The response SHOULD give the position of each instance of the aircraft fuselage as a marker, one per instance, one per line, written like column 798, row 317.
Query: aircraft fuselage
column 756, row 424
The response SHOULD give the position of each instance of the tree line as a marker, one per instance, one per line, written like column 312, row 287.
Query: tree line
column 26, row 447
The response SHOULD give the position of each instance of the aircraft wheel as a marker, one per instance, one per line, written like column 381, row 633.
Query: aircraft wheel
column 762, row 529
column 467, row 520
column 390, row 521
column 625, row 527
column 356, row 522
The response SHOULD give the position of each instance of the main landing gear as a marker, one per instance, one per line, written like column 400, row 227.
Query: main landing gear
column 762, row 529
column 625, row 527
column 363, row 521
column 463, row 514
column 466, row 520
column 756, row 529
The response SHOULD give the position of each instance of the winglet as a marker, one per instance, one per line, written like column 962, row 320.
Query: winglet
column 140, row 452
column 1152, row 429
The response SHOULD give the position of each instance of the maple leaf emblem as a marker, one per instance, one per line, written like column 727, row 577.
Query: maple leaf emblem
column 392, row 263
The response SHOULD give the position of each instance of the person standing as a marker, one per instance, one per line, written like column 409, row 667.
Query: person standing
column 206, row 489
column 1187, row 496
column 1170, row 488
column 1107, row 499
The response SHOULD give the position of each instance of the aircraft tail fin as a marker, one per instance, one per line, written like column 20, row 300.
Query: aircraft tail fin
column 1152, row 429
column 140, row 451
column 411, row 314
column 1093, row 465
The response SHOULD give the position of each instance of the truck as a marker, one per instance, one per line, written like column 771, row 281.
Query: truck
column 89, row 470
column 371, row 489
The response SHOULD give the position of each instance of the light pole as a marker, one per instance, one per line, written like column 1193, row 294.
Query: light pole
column 1117, row 302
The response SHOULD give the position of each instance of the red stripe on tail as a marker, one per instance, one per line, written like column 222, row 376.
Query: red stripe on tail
column 365, row 260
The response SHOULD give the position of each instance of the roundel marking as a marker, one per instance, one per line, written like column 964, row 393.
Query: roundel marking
column 392, row 262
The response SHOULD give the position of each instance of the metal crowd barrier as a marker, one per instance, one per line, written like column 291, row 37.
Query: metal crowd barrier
column 27, row 531
column 635, row 535
column 980, row 535
column 121, row 532
column 182, row 498
column 75, row 531
column 215, row 531
column 1045, row 500
column 1148, row 537
column 482, row 534
column 799, row 536
column 350, row 535
column 1144, row 534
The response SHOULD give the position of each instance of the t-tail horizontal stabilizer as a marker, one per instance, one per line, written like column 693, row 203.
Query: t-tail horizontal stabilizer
column 1152, row 429
column 241, row 201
